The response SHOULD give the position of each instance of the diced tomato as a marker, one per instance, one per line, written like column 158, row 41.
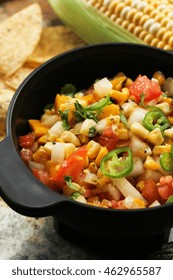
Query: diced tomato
column 117, row 204
column 165, row 187
column 43, row 176
column 26, row 141
column 26, row 154
column 150, row 191
column 72, row 166
column 104, row 195
column 143, row 85
column 86, row 192
column 108, row 138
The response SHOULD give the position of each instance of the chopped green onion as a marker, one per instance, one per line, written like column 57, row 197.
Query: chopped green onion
column 68, row 180
column 75, row 195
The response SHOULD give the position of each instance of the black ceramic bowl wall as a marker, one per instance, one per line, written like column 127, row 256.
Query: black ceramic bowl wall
column 28, row 196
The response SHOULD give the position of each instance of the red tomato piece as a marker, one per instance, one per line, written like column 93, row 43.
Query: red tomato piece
column 117, row 204
column 72, row 166
column 26, row 154
column 108, row 139
column 143, row 85
column 26, row 141
column 43, row 176
column 150, row 191
column 165, row 187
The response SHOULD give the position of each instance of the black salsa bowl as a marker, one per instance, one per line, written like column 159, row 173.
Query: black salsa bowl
column 24, row 193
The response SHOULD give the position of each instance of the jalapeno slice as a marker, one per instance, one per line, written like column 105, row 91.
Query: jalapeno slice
column 118, row 163
column 172, row 151
column 155, row 119
column 166, row 162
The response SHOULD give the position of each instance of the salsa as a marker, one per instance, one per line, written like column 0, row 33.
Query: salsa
column 110, row 145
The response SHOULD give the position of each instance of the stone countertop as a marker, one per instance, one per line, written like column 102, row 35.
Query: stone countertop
column 25, row 238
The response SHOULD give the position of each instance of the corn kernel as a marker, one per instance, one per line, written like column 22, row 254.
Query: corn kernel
column 169, row 132
column 151, row 164
column 157, row 150
column 170, row 119
column 155, row 137
column 102, row 153
column 120, row 96
column 140, row 185
column 123, row 134
column 93, row 149
column 138, row 129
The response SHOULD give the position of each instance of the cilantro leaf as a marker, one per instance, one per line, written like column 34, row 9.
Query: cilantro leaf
column 49, row 106
column 91, row 111
column 64, row 118
column 68, row 89
column 142, row 99
column 92, row 131
column 123, row 119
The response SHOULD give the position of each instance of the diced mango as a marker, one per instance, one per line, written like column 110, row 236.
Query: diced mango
column 42, row 140
column 52, row 168
column 120, row 96
column 118, row 81
column 170, row 119
column 38, row 128
column 112, row 109
column 61, row 99
column 41, row 155
column 89, row 98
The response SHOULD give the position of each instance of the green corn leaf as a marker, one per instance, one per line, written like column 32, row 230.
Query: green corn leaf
column 91, row 25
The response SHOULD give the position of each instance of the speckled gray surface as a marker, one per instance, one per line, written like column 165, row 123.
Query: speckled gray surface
column 30, row 239
column 24, row 238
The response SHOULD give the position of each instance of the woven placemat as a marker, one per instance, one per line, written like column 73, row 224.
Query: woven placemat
column 165, row 253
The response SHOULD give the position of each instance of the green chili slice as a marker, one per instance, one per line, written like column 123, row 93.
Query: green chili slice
column 117, row 163
column 172, row 151
column 170, row 199
column 166, row 161
column 99, row 105
column 155, row 119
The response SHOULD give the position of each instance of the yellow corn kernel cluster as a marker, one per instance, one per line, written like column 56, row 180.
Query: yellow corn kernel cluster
column 151, row 21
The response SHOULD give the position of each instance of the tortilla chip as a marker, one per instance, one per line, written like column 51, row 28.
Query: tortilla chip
column 3, row 86
column 6, row 95
column 19, row 35
column 17, row 78
column 54, row 40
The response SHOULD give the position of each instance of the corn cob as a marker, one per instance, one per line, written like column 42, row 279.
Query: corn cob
column 149, row 22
